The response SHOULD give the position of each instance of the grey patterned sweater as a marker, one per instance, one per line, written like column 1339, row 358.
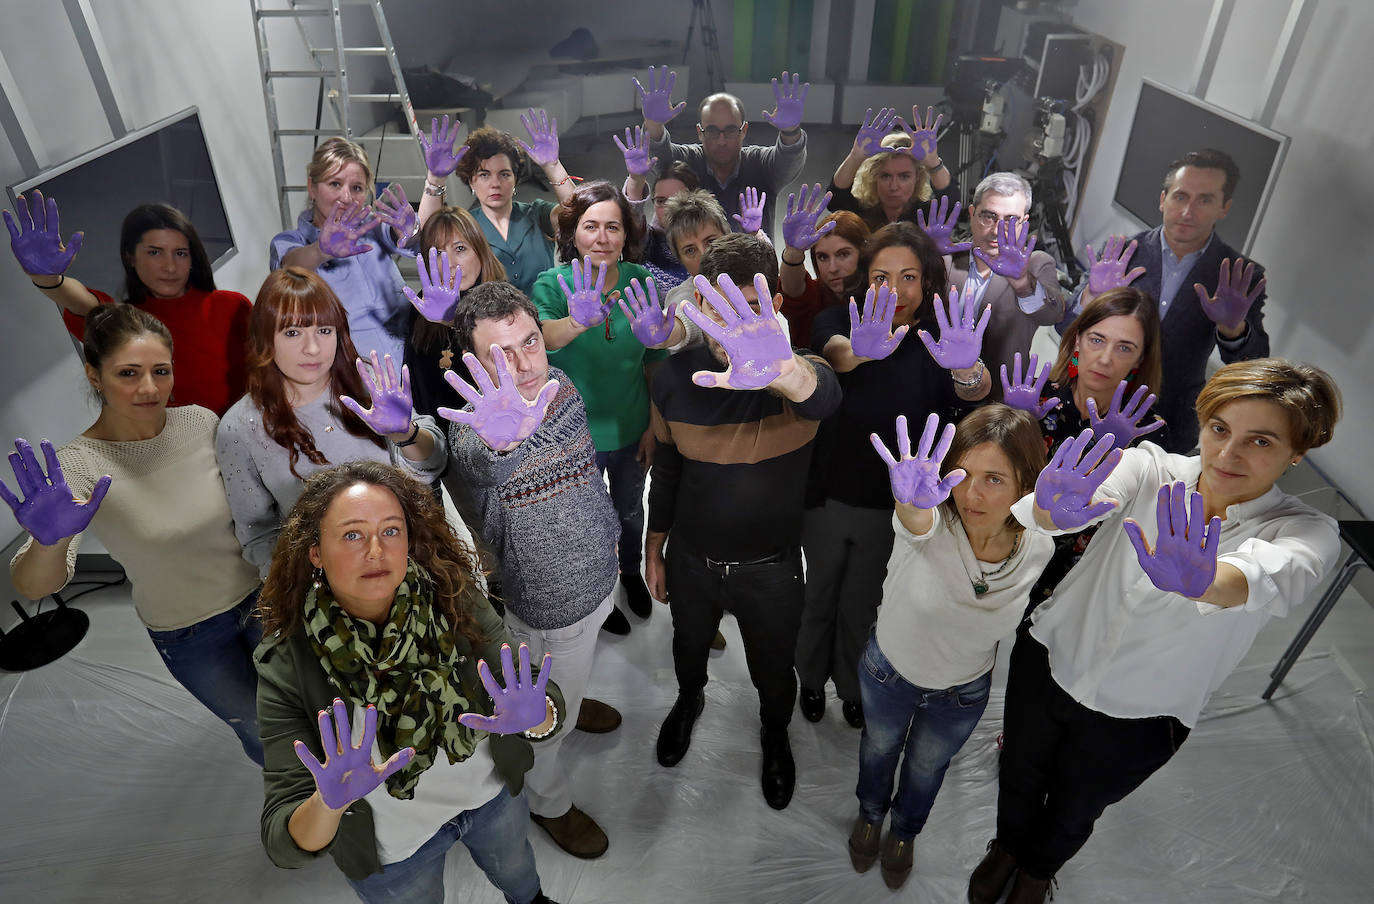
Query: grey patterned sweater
column 545, row 512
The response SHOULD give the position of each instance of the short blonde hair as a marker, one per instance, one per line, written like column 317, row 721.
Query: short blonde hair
column 865, row 188
column 336, row 153
column 1306, row 394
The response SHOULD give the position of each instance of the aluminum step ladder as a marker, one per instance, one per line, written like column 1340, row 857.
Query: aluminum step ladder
column 320, row 26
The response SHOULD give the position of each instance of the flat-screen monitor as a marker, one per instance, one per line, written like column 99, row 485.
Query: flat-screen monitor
column 167, row 161
column 1169, row 124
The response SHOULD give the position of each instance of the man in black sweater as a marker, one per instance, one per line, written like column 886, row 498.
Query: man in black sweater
column 728, row 481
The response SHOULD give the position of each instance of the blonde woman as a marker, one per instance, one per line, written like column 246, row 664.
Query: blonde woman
column 888, row 177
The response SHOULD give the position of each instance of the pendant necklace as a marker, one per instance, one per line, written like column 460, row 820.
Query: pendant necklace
column 980, row 584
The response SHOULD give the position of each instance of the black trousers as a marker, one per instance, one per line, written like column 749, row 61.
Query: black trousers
column 1063, row 763
column 766, row 600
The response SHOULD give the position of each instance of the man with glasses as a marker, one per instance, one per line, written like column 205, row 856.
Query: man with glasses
column 722, row 162
column 1018, row 283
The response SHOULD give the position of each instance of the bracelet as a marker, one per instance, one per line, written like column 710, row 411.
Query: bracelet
column 61, row 278
column 538, row 736
column 940, row 165
column 435, row 191
column 977, row 377
column 800, row 263
column 413, row 437
column 566, row 179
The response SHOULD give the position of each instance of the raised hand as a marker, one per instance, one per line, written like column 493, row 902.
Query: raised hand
column 1065, row 488
column 940, row 226
column 500, row 416
column 651, row 324
column 750, row 216
column 635, row 147
column 799, row 225
column 392, row 412
column 1122, row 419
column 1184, row 559
column 1110, row 272
column 916, row 479
column 347, row 772
column 924, row 136
column 871, row 335
column 393, row 209
column 1014, row 246
column 48, row 510
column 869, row 141
column 440, row 288
column 754, row 342
column 1234, row 296
column 521, row 704
column 791, row 98
column 1027, row 394
column 342, row 229
column 657, row 102
column 441, row 157
column 586, row 306
column 961, row 338
column 544, row 135
column 37, row 240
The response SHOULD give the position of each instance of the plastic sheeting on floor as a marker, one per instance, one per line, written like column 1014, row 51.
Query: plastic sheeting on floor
column 118, row 786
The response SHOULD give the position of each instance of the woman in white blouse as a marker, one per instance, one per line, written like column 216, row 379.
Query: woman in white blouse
column 957, row 583
column 1111, row 673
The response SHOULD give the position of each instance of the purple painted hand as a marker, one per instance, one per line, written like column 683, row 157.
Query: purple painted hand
column 1123, row 418
column 441, row 157
column 500, row 416
column 393, row 209
column 871, row 335
column 37, row 240
column 1028, row 394
column 799, row 225
column 544, row 135
column 1184, row 559
column 916, row 479
column 925, row 136
column 342, row 229
column 347, row 772
column 521, row 704
column 48, row 510
column 440, row 288
column 791, row 98
column 961, row 338
column 586, row 306
column 392, row 412
column 1110, row 272
column 750, row 216
column 753, row 341
column 651, row 324
column 1065, row 488
column 940, row 226
column 869, row 141
column 635, row 147
column 1234, row 297
column 657, row 102
column 1014, row 247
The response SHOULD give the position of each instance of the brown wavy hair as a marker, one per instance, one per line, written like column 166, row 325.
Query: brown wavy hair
column 444, row 226
column 934, row 277
column 294, row 296
column 570, row 214
column 484, row 144
column 1122, row 302
column 451, row 563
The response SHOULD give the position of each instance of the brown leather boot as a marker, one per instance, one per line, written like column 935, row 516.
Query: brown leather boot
column 596, row 717
column 575, row 832
column 990, row 877
column 1029, row 890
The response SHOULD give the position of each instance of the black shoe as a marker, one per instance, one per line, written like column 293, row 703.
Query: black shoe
column 616, row 623
column 676, row 734
column 990, row 877
column 779, row 771
column 637, row 594
column 1029, row 890
column 812, row 704
column 853, row 713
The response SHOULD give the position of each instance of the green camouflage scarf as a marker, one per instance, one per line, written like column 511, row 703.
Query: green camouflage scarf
column 407, row 668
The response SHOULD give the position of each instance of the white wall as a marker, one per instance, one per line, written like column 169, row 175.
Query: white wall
column 1313, row 240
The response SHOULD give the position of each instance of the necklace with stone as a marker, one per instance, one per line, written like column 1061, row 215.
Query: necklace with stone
column 980, row 584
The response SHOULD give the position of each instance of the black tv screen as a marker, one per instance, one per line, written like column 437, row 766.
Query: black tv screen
column 1167, row 125
column 167, row 161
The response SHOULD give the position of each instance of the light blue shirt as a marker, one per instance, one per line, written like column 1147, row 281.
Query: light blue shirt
column 1174, row 270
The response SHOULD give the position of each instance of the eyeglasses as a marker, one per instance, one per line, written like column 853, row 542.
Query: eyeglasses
column 988, row 218
column 714, row 133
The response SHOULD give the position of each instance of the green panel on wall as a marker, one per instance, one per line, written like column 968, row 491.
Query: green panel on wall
column 798, row 56
column 903, row 42
column 880, row 43
column 910, row 41
column 743, row 50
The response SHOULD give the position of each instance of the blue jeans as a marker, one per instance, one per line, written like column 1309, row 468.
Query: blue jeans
column 213, row 659
column 626, row 476
column 497, row 836
column 922, row 727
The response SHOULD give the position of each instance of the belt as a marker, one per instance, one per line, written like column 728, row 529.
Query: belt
column 770, row 559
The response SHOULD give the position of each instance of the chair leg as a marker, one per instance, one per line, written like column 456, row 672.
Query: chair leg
column 1313, row 622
